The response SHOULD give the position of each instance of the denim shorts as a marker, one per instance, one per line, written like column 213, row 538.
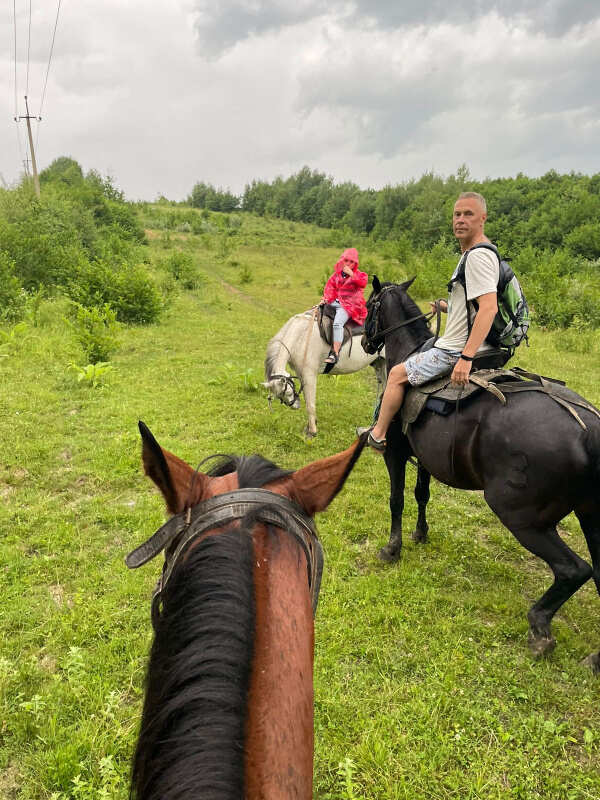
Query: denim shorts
column 431, row 364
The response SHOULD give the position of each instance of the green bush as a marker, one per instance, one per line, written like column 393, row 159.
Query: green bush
column 433, row 271
column 129, row 291
column 181, row 266
column 559, row 304
column 96, row 331
column 585, row 241
column 136, row 299
column 12, row 296
column 40, row 237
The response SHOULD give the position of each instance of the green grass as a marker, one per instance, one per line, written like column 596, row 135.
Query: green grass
column 424, row 684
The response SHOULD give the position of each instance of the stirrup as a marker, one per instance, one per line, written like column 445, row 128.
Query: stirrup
column 332, row 358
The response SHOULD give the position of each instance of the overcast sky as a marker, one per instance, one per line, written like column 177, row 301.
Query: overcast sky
column 162, row 94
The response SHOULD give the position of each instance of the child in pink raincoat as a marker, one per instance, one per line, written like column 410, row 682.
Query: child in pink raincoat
column 344, row 290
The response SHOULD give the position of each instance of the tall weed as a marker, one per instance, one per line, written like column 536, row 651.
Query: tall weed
column 96, row 330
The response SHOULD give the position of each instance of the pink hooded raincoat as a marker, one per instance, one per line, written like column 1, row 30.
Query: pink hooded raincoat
column 349, row 291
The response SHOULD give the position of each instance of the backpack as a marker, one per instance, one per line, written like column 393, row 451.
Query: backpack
column 511, row 322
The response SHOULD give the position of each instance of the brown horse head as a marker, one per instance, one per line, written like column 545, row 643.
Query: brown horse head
column 313, row 487
column 228, row 711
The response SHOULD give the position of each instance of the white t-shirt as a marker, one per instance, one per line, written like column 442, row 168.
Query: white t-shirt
column 482, row 271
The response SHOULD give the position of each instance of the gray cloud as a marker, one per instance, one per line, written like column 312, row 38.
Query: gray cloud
column 393, row 90
column 220, row 26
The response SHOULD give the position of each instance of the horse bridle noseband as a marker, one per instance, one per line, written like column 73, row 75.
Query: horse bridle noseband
column 264, row 506
column 289, row 380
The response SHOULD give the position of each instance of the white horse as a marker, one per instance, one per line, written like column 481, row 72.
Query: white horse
column 299, row 344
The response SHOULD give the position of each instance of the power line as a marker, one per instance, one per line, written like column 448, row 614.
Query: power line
column 50, row 58
column 15, row 24
column 28, row 50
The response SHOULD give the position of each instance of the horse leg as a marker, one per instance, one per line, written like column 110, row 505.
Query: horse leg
column 590, row 525
column 395, row 460
column 570, row 572
column 422, row 498
column 380, row 373
column 310, row 398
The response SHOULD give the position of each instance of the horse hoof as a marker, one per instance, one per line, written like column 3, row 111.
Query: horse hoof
column 310, row 434
column 592, row 662
column 388, row 554
column 541, row 646
column 419, row 536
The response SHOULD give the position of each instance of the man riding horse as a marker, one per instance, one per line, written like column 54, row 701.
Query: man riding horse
column 468, row 322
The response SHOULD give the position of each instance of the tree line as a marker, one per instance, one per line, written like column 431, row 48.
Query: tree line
column 550, row 212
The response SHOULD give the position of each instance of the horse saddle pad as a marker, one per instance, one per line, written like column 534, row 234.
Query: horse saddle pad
column 442, row 397
column 326, row 315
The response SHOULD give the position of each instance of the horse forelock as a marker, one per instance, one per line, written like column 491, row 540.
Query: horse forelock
column 192, row 734
column 252, row 471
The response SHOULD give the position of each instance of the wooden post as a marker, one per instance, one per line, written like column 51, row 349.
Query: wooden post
column 36, row 180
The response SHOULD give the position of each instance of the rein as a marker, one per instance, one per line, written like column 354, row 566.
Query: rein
column 262, row 505
column 372, row 339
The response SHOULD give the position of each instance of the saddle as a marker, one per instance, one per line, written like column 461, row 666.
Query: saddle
column 326, row 316
column 441, row 397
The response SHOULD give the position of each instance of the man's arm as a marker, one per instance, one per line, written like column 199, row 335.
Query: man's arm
column 488, row 306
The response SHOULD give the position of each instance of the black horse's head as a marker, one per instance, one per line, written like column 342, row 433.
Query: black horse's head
column 393, row 315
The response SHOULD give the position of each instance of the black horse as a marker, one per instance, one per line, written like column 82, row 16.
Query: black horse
column 533, row 461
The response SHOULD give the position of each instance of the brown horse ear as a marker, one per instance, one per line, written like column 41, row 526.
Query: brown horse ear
column 315, row 486
column 171, row 475
column 406, row 285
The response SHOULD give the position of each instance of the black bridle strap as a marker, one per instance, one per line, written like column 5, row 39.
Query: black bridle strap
column 265, row 506
column 382, row 334
column 289, row 381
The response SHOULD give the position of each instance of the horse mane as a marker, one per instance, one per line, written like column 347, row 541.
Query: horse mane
column 191, row 742
column 418, row 332
column 274, row 349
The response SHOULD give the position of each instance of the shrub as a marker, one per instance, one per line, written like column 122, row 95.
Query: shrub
column 585, row 240
column 136, row 298
column 96, row 331
column 181, row 266
column 129, row 291
column 12, row 296
column 433, row 270
column 246, row 274
column 92, row 374
column 558, row 304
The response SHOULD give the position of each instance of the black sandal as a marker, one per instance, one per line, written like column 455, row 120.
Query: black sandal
column 332, row 358
column 376, row 444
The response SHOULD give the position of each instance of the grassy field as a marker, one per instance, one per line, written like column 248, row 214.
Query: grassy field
column 424, row 684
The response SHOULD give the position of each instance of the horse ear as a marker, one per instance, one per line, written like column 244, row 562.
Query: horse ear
column 406, row 285
column 315, row 486
column 376, row 284
column 171, row 475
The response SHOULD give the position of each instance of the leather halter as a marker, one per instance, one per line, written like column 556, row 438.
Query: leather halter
column 289, row 381
column 264, row 506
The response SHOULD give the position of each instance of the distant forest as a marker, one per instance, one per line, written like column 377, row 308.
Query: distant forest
column 547, row 213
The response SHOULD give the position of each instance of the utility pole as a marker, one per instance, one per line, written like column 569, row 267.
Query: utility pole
column 36, row 180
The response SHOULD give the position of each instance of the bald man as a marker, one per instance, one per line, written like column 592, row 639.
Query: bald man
column 455, row 350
